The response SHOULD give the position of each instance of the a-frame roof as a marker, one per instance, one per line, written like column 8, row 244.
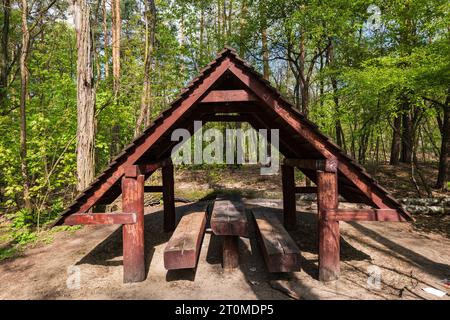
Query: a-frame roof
column 299, row 137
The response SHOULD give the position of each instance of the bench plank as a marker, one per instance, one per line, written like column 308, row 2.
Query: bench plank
column 228, row 218
column 280, row 252
column 230, row 251
column 183, row 248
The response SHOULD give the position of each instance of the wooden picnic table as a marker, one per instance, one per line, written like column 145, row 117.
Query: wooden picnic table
column 229, row 221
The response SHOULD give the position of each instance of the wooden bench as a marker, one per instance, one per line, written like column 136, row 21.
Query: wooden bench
column 184, row 246
column 228, row 220
column 280, row 252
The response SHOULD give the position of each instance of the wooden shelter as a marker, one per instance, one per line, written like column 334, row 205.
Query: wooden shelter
column 228, row 89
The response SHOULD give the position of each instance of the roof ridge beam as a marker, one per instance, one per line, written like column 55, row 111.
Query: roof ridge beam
column 225, row 96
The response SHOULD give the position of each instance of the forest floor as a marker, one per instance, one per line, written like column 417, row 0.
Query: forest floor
column 408, row 256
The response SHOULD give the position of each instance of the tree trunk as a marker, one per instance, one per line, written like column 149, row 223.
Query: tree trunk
column 145, row 110
column 304, row 91
column 202, row 29
column 4, row 56
column 23, row 100
column 114, row 146
column 445, row 147
column 219, row 24
column 85, row 96
column 304, row 84
column 105, row 38
column 396, row 140
column 242, row 30
column 116, row 32
column 340, row 140
column 230, row 20
column 264, row 49
column 406, row 133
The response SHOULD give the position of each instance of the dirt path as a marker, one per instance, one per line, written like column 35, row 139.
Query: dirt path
column 407, row 259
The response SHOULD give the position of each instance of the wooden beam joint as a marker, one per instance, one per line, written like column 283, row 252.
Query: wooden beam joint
column 134, row 170
column 326, row 165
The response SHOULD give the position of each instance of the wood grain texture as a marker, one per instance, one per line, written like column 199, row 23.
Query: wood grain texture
column 329, row 235
column 364, row 215
column 280, row 251
column 101, row 218
column 230, row 250
column 184, row 246
column 216, row 96
column 328, row 165
column 228, row 218
column 133, row 234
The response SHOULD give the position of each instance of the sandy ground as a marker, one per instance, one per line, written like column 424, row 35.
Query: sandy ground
column 407, row 259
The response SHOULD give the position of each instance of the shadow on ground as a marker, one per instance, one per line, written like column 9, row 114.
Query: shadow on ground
column 109, row 251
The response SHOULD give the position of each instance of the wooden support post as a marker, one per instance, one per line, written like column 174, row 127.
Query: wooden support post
column 133, row 234
column 230, row 252
column 289, row 207
column 329, row 248
column 168, row 197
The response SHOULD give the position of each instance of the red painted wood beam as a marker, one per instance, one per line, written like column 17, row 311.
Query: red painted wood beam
column 364, row 215
column 305, row 189
column 133, row 234
column 224, row 118
column 100, row 218
column 132, row 171
column 327, row 165
column 317, row 141
column 329, row 234
column 217, row 96
column 236, row 107
column 166, row 124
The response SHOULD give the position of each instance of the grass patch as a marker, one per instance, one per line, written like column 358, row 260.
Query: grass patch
column 14, row 242
column 8, row 252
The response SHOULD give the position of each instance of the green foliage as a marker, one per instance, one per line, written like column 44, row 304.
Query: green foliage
column 372, row 69
column 22, row 225
column 8, row 252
